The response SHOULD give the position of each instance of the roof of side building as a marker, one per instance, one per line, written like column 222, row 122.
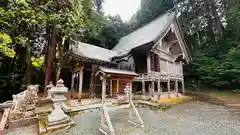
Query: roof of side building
column 92, row 51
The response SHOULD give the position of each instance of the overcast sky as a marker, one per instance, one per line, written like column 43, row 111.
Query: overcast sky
column 124, row 8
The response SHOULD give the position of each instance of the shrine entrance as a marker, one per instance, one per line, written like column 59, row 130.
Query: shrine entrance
column 117, row 79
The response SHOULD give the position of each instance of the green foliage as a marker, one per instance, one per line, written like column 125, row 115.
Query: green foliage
column 5, row 40
column 37, row 62
column 236, row 91
column 26, row 29
column 113, row 29
column 150, row 9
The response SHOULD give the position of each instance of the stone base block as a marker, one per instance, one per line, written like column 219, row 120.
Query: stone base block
column 154, row 98
column 45, row 127
column 146, row 98
column 44, row 101
column 22, row 122
column 61, row 122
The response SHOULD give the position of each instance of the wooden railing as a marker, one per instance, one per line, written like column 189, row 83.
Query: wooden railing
column 170, row 71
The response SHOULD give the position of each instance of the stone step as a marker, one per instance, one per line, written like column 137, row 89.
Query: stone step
column 233, row 105
column 234, row 109
column 230, row 101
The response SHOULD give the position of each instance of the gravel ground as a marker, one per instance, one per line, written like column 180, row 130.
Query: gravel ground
column 28, row 130
column 195, row 118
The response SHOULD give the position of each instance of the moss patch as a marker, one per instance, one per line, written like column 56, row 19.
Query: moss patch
column 173, row 100
column 42, row 123
column 72, row 114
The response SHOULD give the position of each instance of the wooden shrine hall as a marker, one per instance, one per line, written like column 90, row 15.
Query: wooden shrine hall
column 156, row 52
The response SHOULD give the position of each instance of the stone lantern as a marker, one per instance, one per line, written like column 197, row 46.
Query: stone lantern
column 48, row 87
column 58, row 98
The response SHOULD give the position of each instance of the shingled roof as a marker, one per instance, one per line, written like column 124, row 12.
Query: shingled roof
column 92, row 52
column 145, row 34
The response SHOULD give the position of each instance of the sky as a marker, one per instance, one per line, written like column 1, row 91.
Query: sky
column 124, row 8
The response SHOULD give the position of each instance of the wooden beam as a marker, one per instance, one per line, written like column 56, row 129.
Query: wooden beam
column 3, row 121
column 121, row 78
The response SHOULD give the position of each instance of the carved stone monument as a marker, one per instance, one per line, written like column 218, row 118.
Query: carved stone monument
column 24, row 102
column 57, row 95
column 31, row 96
column 23, row 107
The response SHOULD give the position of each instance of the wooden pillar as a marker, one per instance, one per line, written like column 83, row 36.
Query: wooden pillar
column 169, row 88
column 183, row 87
column 181, row 70
column 148, row 63
column 80, row 83
column 103, row 89
column 130, row 91
column 168, row 70
column 159, row 88
column 176, row 87
column 149, row 89
column 130, row 100
column 159, row 62
column 153, row 88
column 111, row 85
column 92, row 82
column 143, row 88
column 117, row 86
column 72, row 82
column 72, row 86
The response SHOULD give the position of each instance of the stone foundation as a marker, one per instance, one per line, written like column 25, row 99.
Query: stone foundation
column 45, row 127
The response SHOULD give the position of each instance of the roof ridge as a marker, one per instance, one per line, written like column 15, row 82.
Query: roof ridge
column 140, row 28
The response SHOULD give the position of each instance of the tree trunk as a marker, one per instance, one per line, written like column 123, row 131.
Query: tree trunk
column 218, row 22
column 58, row 73
column 51, row 55
column 29, row 65
column 209, row 20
